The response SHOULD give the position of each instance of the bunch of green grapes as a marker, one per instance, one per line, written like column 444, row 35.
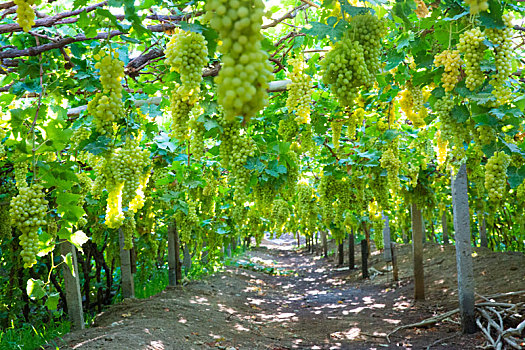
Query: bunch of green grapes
column 235, row 149
column 345, row 69
column 114, row 215
column 111, row 71
column 245, row 73
column 354, row 122
column 107, row 107
column 368, row 31
column 292, row 174
column 299, row 91
column 5, row 223
column 128, row 229
column 345, row 194
column 79, row 135
column 100, row 166
column 197, row 146
column 496, row 176
column 337, row 126
column 187, row 54
column 472, row 47
column 264, row 193
column 138, row 201
column 280, row 214
column 186, row 223
column 288, row 129
column 391, row 162
column 486, row 134
column 28, row 214
column 412, row 104
column 229, row 138
column 477, row 6
column 520, row 194
column 307, row 141
column 25, row 13
column 442, row 148
column 455, row 133
column 20, row 170
column 379, row 187
column 328, row 188
column 502, row 41
column 181, row 105
column 517, row 160
column 305, row 200
column 127, row 165
column 451, row 60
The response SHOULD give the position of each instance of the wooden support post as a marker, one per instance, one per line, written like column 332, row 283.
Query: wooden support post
column 324, row 243
column 387, row 253
column 444, row 227
column 395, row 269
column 172, row 263
column 364, row 258
column 417, row 247
column 72, row 287
column 351, row 250
column 341, row 254
column 298, row 239
column 127, row 283
column 307, row 242
column 463, row 250
column 186, row 261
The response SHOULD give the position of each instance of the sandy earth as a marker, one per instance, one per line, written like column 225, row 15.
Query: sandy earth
column 312, row 304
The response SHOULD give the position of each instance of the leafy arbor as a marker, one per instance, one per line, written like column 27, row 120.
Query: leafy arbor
column 202, row 116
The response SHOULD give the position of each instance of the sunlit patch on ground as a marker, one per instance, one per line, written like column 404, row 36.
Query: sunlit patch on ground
column 155, row 345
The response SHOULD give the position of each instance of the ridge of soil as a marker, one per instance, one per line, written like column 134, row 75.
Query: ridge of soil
column 316, row 306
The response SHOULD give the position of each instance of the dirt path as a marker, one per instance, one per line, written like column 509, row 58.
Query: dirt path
column 315, row 307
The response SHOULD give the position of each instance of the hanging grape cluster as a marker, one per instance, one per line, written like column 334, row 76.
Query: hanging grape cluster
column 337, row 126
column 28, row 214
column 125, row 180
column 472, row 47
column 344, row 68
column 451, row 60
column 354, row 61
column 391, row 162
column 477, row 6
column 292, row 174
column 496, row 176
column 485, row 134
column 328, row 195
column 235, row 149
column 442, row 148
column 187, row 54
column 368, row 31
column 288, row 129
column 299, row 91
column 280, row 214
column 79, row 135
column 107, row 107
column 25, row 13
column 354, row 121
column 502, row 41
column 245, row 73
column 412, row 104
column 264, row 193
column 197, row 146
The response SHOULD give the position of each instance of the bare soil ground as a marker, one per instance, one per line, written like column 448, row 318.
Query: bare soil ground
column 315, row 306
